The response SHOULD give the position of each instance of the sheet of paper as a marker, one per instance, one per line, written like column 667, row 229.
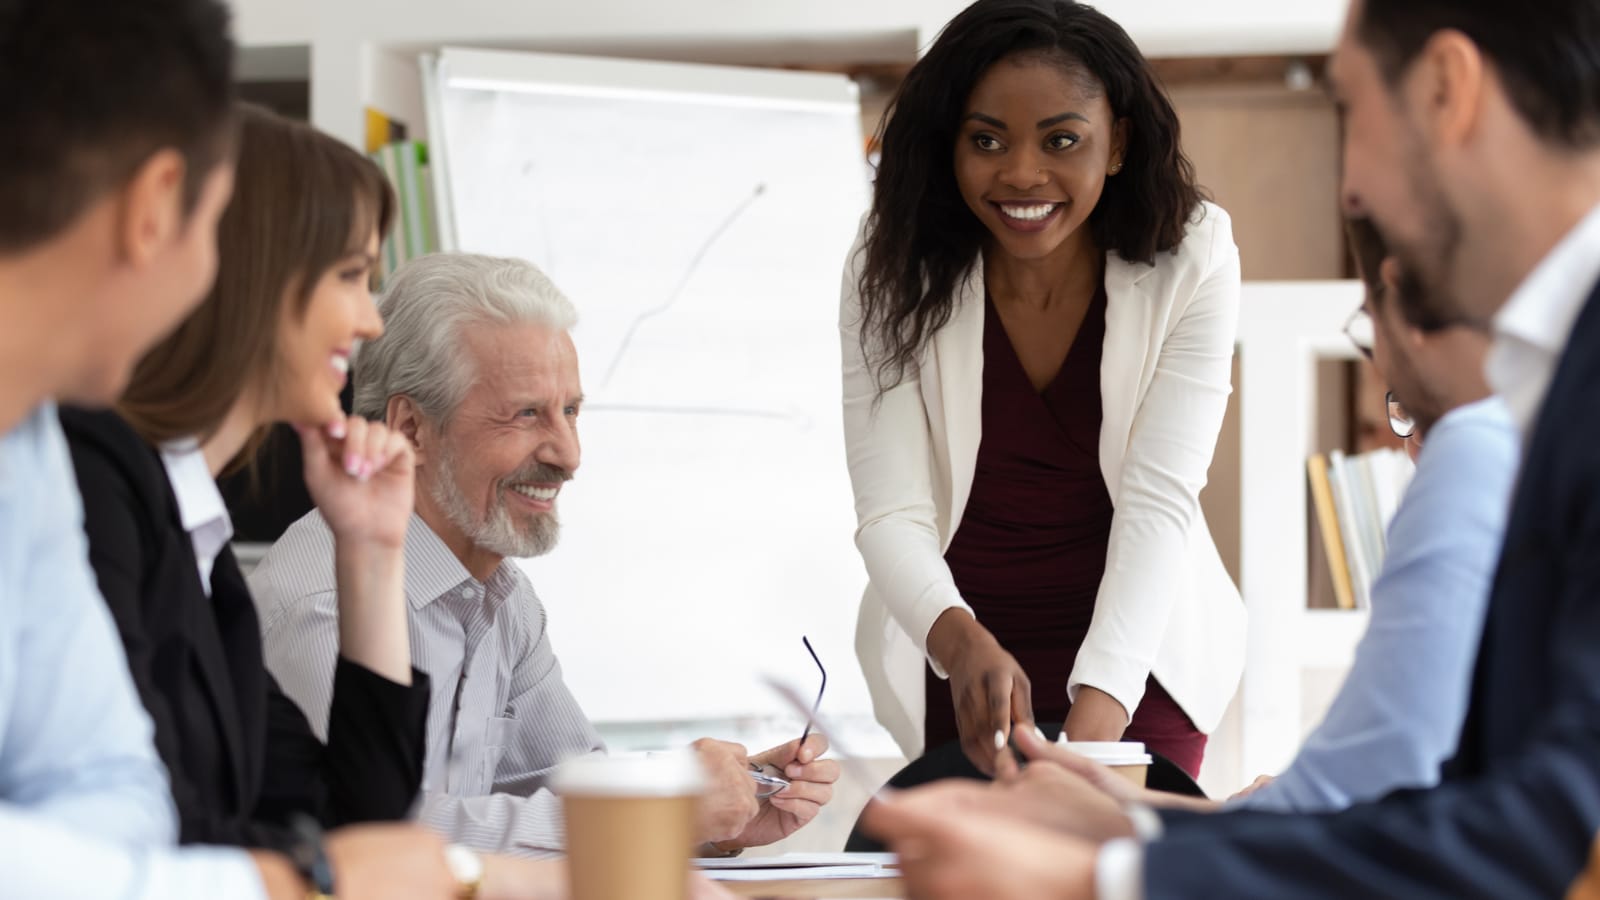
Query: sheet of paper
column 798, row 860
column 804, row 873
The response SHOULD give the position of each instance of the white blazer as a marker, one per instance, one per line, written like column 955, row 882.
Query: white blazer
column 1166, row 604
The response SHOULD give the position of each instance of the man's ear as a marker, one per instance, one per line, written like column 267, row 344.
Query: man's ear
column 1449, row 81
column 403, row 416
column 151, row 211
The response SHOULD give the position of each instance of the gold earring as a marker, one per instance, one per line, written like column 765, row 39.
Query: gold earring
column 1115, row 168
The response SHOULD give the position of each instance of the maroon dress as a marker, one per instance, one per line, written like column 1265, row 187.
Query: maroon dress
column 1031, row 547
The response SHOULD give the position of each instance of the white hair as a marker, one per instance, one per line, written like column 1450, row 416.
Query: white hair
column 427, row 304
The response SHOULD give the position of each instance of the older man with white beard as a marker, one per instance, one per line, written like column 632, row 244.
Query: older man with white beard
column 477, row 368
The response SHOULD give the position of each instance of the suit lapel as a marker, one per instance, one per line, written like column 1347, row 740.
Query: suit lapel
column 1529, row 542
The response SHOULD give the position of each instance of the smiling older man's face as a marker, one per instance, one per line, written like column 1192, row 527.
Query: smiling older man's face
column 512, row 442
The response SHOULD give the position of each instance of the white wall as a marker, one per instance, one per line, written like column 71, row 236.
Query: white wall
column 269, row 22
column 1164, row 27
column 342, row 33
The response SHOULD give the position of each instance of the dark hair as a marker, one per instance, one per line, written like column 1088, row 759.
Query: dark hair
column 922, row 240
column 91, row 89
column 1547, row 54
column 301, row 202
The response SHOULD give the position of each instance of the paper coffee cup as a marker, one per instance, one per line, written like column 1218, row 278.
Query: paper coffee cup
column 1126, row 758
column 630, row 824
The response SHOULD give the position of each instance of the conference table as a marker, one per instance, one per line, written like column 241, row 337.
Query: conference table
column 820, row 889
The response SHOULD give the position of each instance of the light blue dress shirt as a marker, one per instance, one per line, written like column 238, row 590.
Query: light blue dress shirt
column 1399, row 713
column 85, row 810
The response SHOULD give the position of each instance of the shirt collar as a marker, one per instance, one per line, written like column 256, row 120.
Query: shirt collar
column 1531, row 330
column 1542, row 309
column 432, row 569
column 200, row 503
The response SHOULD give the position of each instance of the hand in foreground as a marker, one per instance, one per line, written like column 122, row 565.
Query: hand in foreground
column 1041, row 752
column 360, row 475
column 517, row 878
column 376, row 862
column 1260, row 782
column 988, row 686
column 1587, row 887
column 958, row 853
column 729, row 803
column 1038, row 751
column 810, row 788
column 1048, row 795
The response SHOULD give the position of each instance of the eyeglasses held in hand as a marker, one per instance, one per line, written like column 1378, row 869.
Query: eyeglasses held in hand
column 767, row 776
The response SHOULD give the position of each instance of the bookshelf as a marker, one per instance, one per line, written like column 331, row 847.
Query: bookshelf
column 1285, row 329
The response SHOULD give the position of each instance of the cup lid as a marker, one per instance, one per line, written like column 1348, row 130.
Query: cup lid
column 1111, row 753
column 672, row 774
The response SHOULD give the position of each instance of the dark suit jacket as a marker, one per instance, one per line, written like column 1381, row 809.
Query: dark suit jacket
column 1517, row 806
column 241, row 755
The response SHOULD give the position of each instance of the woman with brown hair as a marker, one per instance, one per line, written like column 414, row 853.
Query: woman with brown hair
column 270, row 343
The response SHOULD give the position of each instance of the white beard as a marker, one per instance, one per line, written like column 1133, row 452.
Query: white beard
column 496, row 531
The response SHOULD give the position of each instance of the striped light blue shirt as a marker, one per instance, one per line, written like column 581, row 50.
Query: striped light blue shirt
column 500, row 718
column 85, row 810
column 1399, row 713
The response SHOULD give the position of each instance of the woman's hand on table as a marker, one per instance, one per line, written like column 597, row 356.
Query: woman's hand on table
column 991, row 693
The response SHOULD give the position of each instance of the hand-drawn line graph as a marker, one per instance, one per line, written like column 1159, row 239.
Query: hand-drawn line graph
column 702, row 244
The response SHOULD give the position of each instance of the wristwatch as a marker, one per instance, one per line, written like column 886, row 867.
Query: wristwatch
column 467, row 868
column 310, row 858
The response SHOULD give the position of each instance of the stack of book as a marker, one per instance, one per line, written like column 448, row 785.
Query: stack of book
column 1355, row 497
column 414, row 232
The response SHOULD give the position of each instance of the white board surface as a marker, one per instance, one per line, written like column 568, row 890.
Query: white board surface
column 700, row 224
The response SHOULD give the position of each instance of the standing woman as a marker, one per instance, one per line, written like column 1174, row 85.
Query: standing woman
column 1038, row 326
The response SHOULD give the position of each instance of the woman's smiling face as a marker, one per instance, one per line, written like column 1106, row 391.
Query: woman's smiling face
column 1036, row 143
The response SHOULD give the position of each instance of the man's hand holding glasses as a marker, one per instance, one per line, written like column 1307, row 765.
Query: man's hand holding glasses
column 778, row 790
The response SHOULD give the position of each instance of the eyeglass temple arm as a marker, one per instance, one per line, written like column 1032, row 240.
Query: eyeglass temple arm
column 814, row 658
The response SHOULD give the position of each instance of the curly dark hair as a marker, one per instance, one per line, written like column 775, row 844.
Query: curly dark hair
column 922, row 239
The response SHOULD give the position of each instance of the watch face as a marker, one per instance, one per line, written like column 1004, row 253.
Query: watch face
column 464, row 865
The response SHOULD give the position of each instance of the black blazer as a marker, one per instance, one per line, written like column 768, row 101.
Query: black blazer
column 240, row 753
column 1516, row 808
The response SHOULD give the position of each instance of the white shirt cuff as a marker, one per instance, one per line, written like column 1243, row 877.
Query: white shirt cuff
column 1119, row 870
column 1146, row 824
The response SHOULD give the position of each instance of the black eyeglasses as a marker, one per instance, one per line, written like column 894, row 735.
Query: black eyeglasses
column 811, row 720
column 771, row 782
column 1359, row 329
column 1400, row 421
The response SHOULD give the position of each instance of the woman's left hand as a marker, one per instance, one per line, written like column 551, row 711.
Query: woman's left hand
column 360, row 475
column 1095, row 716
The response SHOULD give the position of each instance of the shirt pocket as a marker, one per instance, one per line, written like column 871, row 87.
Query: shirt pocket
column 499, row 732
